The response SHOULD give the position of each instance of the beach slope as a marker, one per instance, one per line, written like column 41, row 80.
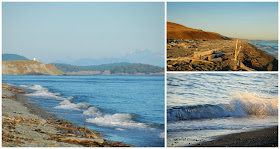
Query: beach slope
column 267, row 137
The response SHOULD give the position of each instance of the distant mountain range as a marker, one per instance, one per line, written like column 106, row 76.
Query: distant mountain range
column 138, row 56
column 13, row 57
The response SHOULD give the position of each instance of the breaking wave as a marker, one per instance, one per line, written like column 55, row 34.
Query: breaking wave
column 44, row 92
column 110, row 120
column 117, row 120
column 68, row 105
column 161, row 135
column 93, row 111
column 241, row 104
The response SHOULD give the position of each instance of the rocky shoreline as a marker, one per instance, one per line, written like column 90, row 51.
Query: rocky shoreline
column 217, row 55
column 28, row 125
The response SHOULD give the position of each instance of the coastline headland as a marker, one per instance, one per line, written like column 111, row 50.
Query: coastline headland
column 195, row 50
column 28, row 67
column 28, row 125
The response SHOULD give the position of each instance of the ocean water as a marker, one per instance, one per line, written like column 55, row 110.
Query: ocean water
column 202, row 107
column 270, row 47
column 129, row 109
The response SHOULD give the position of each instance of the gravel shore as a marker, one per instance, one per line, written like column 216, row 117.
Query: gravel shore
column 28, row 125
column 267, row 137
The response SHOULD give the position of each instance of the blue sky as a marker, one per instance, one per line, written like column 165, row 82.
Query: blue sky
column 245, row 20
column 52, row 31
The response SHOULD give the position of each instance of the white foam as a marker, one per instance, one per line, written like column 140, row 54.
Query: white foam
column 254, row 104
column 117, row 120
column 73, row 106
column 161, row 135
column 93, row 111
column 240, row 104
column 120, row 129
column 65, row 102
column 44, row 92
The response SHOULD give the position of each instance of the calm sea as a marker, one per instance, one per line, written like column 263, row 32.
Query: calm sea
column 128, row 109
column 202, row 107
column 270, row 47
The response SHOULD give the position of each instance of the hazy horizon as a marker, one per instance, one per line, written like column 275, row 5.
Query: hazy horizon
column 52, row 31
column 243, row 20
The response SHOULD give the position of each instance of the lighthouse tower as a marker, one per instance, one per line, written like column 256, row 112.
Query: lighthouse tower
column 34, row 59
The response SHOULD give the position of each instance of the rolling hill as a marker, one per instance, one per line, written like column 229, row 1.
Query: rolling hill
column 12, row 57
column 177, row 31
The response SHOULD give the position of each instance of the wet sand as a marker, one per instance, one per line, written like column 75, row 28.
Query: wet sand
column 28, row 125
column 267, row 137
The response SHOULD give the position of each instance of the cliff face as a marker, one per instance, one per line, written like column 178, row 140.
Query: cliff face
column 20, row 67
column 177, row 31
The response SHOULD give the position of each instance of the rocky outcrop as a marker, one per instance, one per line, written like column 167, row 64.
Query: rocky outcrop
column 21, row 67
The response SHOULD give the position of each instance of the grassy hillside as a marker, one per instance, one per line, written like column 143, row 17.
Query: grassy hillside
column 12, row 57
column 23, row 67
column 177, row 31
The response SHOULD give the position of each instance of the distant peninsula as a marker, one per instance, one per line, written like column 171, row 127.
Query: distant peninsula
column 14, row 64
column 123, row 68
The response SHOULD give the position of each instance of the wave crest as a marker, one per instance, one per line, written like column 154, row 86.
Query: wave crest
column 44, row 92
column 117, row 120
column 93, row 111
column 241, row 104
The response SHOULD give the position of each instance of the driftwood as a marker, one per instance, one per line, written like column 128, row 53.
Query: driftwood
column 201, row 54
column 242, row 66
column 236, row 55
column 68, row 128
column 93, row 134
column 21, row 120
column 80, row 140
column 187, row 59
column 216, row 59
column 59, row 118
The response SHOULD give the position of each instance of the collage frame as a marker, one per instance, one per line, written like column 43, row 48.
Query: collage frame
column 182, row 68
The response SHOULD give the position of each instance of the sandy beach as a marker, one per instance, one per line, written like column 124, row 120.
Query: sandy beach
column 28, row 125
column 267, row 137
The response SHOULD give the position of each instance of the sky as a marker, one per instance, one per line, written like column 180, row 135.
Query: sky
column 53, row 31
column 244, row 20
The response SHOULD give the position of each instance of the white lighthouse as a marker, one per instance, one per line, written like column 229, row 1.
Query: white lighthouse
column 34, row 59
